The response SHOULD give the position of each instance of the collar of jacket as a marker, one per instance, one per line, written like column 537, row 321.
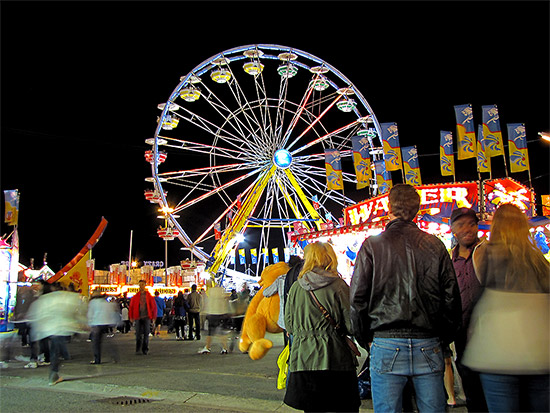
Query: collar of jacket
column 399, row 222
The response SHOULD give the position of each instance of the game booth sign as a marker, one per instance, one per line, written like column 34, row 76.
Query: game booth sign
column 437, row 201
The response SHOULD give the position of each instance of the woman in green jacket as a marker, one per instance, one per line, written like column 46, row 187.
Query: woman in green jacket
column 322, row 368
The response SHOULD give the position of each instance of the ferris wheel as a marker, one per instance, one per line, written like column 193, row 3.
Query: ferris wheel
column 240, row 148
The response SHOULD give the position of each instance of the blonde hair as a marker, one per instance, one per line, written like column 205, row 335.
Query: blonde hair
column 320, row 255
column 510, row 229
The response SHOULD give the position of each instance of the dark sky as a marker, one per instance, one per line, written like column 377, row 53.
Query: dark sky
column 81, row 82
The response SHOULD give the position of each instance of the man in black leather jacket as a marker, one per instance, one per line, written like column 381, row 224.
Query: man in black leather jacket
column 406, row 302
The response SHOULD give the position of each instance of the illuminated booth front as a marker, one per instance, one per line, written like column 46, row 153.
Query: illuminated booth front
column 437, row 201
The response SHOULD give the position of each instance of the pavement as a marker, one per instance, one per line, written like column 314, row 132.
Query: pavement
column 171, row 376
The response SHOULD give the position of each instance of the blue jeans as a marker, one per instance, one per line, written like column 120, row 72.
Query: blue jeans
column 143, row 328
column 516, row 393
column 395, row 360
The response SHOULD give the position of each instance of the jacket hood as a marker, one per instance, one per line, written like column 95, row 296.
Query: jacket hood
column 316, row 279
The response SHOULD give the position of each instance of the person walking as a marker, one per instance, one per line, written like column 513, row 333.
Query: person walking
column 194, row 303
column 509, row 330
column 56, row 315
column 217, row 312
column 464, row 227
column 142, row 311
column 180, row 312
column 321, row 366
column 161, row 306
column 102, row 314
column 406, row 302
column 126, row 326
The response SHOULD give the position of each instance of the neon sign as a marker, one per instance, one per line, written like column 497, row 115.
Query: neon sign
column 507, row 191
column 436, row 200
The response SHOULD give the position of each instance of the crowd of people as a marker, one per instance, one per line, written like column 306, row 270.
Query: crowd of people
column 414, row 307
column 49, row 315
column 410, row 303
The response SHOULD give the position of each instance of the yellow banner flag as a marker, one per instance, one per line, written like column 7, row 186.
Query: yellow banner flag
column 78, row 276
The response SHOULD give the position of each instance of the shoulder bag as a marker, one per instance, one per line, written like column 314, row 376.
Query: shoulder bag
column 336, row 326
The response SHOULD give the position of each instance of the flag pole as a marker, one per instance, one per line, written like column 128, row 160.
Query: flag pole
column 130, row 257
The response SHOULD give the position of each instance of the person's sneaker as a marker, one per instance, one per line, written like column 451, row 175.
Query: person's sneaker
column 224, row 351
column 205, row 350
column 54, row 379
column 43, row 363
column 23, row 358
column 31, row 365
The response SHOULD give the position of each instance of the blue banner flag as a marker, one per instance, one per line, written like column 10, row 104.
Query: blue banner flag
column 446, row 157
column 253, row 255
column 333, row 165
column 383, row 177
column 483, row 161
column 11, row 206
column 517, row 147
column 390, row 145
column 466, row 141
column 242, row 257
column 275, row 253
column 411, row 168
column 492, row 136
column 361, row 160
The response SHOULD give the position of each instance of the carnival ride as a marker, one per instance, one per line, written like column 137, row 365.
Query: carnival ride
column 242, row 138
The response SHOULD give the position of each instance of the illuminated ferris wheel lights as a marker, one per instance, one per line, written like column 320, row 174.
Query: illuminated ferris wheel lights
column 346, row 105
column 287, row 56
column 320, row 84
column 253, row 68
column 160, row 141
column 172, row 108
column 220, row 75
column 170, row 122
column 370, row 132
column 288, row 70
column 282, row 158
column 190, row 94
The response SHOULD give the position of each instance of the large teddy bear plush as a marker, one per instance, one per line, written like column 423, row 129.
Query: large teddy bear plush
column 262, row 315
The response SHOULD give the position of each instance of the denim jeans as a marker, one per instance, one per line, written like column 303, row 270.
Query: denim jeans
column 56, row 350
column 394, row 361
column 143, row 328
column 515, row 393
column 194, row 318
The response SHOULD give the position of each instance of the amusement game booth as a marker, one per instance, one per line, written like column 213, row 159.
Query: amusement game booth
column 369, row 217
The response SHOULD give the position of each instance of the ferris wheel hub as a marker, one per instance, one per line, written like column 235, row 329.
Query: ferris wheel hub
column 282, row 158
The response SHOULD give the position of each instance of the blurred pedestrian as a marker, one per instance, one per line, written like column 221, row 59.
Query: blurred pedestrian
column 193, row 314
column 464, row 227
column 180, row 313
column 57, row 315
column 102, row 314
column 321, row 366
column 126, row 325
column 509, row 331
column 217, row 312
column 142, row 311
column 405, row 301
column 161, row 306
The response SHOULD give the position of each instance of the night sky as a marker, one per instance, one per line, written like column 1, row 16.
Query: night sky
column 80, row 84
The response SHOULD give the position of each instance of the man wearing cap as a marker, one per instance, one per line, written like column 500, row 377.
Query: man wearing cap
column 464, row 226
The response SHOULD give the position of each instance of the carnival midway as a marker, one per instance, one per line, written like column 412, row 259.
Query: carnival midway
column 280, row 167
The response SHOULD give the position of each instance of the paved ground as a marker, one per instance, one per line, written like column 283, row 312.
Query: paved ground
column 172, row 376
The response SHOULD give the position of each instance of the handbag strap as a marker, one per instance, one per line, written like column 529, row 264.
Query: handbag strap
column 325, row 312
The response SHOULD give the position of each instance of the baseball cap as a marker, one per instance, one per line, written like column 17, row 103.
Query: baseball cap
column 461, row 212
